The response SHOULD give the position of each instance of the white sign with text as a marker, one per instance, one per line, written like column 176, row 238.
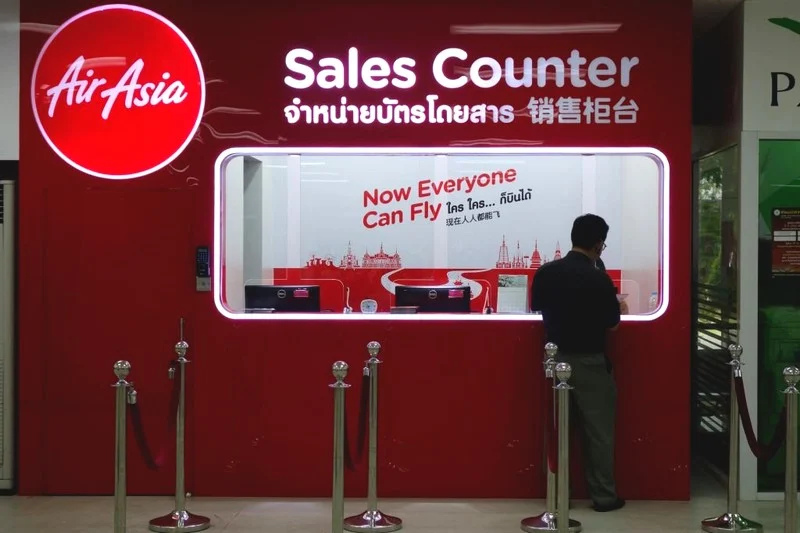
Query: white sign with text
column 454, row 68
column 771, row 73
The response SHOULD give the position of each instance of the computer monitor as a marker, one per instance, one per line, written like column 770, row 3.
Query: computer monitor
column 281, row 299
column 451, row 299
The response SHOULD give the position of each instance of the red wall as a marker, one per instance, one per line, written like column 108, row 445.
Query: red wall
column 106, row 270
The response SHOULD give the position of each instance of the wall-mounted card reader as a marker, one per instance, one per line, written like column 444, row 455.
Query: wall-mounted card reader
column 203, row 269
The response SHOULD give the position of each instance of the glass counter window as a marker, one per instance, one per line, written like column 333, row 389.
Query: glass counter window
column 455, row 234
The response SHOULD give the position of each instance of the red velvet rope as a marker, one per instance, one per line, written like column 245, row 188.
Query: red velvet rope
column 172, row 418
column 764, row 453
column 363, row 416
column 551, row 429
column 348, row 453
column 141, row 440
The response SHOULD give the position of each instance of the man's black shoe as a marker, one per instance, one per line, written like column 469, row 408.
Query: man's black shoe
column 619, row 504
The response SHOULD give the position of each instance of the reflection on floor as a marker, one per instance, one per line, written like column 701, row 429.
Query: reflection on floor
column 95, row 514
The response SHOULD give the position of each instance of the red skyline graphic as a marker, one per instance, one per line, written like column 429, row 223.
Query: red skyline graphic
column 383, row 260
column 535, row 260
column 350, row 261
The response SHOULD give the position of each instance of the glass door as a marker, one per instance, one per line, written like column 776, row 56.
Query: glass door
column 714, row 290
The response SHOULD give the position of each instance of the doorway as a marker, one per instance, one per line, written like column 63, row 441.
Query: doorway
column 715, row 314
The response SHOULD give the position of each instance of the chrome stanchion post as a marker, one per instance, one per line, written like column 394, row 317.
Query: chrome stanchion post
column 732, row 520
column 547, row 520
column 372, row 519
column 337, row 504
column 124, row 394
column 791, row 375
column 565, row 525
column 180, row 519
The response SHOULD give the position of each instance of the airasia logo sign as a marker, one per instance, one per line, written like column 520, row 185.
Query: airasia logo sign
column 80, row 91
column 118, row 92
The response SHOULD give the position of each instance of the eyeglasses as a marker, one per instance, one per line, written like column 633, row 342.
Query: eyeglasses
column 604, row 246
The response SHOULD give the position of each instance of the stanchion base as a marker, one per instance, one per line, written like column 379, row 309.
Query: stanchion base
column 730, row 522
column 176, row 522
column 373, row 521
column 547, row 522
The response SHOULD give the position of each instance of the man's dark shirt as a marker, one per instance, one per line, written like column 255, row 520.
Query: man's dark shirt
column 578, row 303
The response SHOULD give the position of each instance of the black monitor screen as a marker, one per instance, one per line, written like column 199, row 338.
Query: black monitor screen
column 434, row 299
column 281, row 298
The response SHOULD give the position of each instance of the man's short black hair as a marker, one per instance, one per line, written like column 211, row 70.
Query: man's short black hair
column 588, row 230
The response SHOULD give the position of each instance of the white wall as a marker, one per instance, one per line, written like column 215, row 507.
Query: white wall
column 770, row 49
column 233, row 205
column 602, row 195
column 253, row 220
column 275, row 230
column 255, row 232
column 640, row 231
column 626, row 192
column 9, row 80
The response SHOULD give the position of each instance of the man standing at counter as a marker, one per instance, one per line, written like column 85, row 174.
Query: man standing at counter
column 579, row 306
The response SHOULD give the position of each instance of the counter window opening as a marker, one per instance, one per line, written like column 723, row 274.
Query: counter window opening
column 428, row 233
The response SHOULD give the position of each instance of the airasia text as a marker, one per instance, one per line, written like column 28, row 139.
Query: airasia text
column 79, row 87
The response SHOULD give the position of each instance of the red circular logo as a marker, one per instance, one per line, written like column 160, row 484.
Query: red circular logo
column 118, row 91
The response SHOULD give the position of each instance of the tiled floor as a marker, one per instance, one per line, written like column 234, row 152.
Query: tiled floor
column 95, row 514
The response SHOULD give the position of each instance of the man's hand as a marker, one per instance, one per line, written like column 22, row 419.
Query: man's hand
column 623, row 308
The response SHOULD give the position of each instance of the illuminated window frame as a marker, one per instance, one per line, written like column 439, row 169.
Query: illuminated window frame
column 224, row 158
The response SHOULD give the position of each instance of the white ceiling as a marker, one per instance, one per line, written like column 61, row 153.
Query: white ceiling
column 707, row 13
